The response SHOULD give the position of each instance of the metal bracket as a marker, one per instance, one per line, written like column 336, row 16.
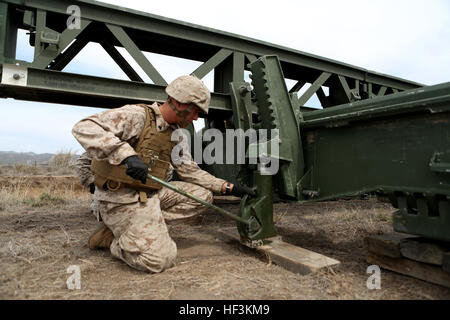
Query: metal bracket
column 14, row 75
column 437, row 166
column 277, row 111
column 29, row 19
column 49, row 36
column 258, row 212
column 241, row 105
column 355, row 96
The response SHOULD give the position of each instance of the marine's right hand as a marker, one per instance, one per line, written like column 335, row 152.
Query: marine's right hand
column 136, row 168
column 242, row 190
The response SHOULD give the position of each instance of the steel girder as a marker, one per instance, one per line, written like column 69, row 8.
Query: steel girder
column 75, row 89
column 225, row 53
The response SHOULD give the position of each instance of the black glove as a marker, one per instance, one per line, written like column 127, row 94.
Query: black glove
column 240, row 191
column 136, row 168
column 91, row 187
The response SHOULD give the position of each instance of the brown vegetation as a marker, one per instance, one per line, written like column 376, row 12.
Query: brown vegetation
column 62, row 159
column 62, row 163
column 44, row 230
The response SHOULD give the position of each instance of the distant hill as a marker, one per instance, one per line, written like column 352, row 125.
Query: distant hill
column 12, row 157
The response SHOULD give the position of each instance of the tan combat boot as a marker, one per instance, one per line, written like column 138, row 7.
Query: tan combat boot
column 101, row 238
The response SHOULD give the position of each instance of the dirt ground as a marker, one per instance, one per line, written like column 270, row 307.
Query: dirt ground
column 44, row 230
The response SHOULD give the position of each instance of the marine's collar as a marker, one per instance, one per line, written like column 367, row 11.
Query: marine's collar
column 161, row 124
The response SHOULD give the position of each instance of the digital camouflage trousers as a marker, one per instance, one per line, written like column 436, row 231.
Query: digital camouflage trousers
column 141, row 237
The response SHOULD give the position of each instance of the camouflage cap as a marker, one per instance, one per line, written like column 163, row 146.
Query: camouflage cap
column 190, row 89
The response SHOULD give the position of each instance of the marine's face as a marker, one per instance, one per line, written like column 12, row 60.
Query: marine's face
column 187, row 113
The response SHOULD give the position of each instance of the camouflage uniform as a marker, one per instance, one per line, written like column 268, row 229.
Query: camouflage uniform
column 141, row 238
column 84, row 173
column 83, row 169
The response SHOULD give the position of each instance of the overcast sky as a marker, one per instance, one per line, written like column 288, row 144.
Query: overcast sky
column 409, row 39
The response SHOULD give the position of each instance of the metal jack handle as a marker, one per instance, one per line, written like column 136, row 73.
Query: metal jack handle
column 253, row 224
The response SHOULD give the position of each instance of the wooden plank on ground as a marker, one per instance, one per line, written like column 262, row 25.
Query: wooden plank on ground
column 419, row 270
column 286, row 255
column 446, row 262
column 423, row 250
column 386, row 244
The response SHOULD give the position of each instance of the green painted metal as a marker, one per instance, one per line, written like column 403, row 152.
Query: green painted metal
column 213, row 62
column 385, row 155
column 3, row 31
column 50, row 43
column 121, row 62
column 277, row 112
column 8, row 33
column 62, row 60
column 225, row 53
column 258, row 209
column 95, row 10
column 314, row 87
column 397, row 146
column 134, row 51
column 431, row 99
column 241, row 105
column 75, row 89
column 426, row 216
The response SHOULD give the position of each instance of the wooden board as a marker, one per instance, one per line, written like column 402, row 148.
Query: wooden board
column 286, row 255
column 446, row 262
column 423, row 251
column 419, row 270
column 386, row 244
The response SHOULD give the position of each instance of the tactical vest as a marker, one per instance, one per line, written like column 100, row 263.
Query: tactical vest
column 153, row 148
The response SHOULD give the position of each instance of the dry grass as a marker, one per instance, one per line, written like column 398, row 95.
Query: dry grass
column 23, row 190
column 24, row 169
column 63, row 159
column 62, row 163
column 21, row 169
column 38, row 243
